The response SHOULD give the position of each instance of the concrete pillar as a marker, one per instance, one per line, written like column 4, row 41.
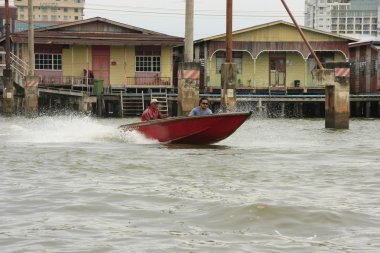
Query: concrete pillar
column 228, row 91
column 337, row 104
column 8, row 93
column 31, row 95
column 337, row 96
column 188, row 87
column 85, row 103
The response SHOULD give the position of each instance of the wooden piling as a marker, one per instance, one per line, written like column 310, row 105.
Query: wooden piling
column 188, row 87
column 31, row 96
column 337, row 103
column 228, row 92
column 337, row 95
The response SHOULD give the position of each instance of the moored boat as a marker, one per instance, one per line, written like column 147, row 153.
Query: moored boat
column 205, row 129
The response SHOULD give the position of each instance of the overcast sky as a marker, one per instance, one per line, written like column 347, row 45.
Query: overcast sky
column 168, row 16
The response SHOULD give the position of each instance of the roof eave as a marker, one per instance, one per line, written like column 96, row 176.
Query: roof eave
column 272, row 24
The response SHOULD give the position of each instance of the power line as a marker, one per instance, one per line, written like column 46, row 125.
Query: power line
column 196, row 14
column 180, row 11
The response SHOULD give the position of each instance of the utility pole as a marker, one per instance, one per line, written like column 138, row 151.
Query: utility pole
column 8, row 89
column 31, row 38
column 189, row 31
column 188, row 71
column 229, row 32
column 31, row 81
column 302, row 35
column 229, row 69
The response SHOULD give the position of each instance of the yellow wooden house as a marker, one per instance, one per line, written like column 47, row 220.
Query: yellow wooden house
column 270, row 55
column 121, row 55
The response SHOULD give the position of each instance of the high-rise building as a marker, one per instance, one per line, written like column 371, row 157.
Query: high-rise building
column 12, row 19
column 51, row 10
column 359, row 18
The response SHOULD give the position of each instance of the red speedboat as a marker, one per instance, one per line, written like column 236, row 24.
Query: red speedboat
column 190, row 129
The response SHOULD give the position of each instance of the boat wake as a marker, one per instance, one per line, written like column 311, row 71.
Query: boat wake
column 67, row 129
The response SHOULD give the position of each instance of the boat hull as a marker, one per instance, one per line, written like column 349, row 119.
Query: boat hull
column 190, row 130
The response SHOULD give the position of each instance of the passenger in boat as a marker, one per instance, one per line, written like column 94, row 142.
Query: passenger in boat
column 152, row 112
column 202, row 109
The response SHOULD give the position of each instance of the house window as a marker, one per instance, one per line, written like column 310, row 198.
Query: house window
column 148, row 59
column 48, row 61
column 237, row 58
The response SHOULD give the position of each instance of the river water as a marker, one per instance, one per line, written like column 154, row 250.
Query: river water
column 77, row 184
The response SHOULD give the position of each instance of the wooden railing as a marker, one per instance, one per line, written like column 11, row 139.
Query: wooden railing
column 80, row 80
column 65, row 80
column 148, row 81
column 18, row 67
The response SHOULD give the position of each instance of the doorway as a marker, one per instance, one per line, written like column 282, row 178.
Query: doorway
column 101, row 63
column 277, row 69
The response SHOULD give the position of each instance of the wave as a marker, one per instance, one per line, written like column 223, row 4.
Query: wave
column 271, row 218
column 67, row 129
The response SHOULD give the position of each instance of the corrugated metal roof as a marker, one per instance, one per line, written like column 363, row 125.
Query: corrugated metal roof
column 373, row 42
column 89, row 41
column 276, row 23
column 53, row 35
column 97, row 19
